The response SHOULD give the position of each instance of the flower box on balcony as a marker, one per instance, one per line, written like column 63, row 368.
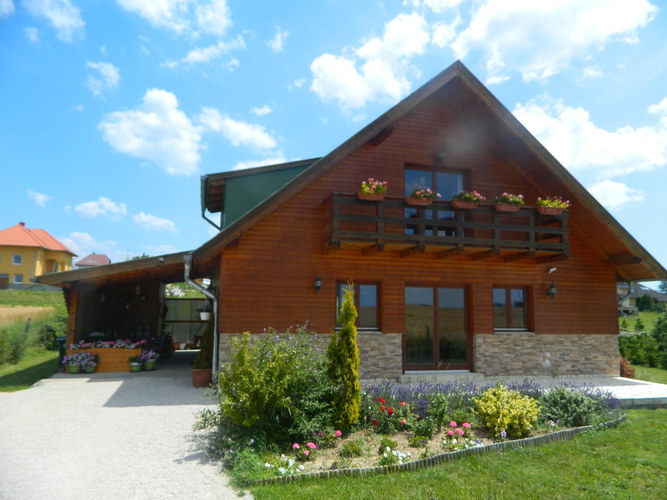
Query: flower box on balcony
column 464, row 205
column 506, row 207
column 418, row 202
column 370, row 196
column 544, row 210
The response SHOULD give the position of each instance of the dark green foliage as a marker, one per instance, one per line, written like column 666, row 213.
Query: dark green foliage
column 647, row 349
column 424, row 427
column 50, row 330
column 387, row 443
column 204, row 358
column 16, row 346
column 568, row 407
column 648, row 303
column 639, row 325
column 343, row 370
column 4, row 343
column 277, row 389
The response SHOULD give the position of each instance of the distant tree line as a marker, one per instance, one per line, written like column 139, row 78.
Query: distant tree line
column 647, row 349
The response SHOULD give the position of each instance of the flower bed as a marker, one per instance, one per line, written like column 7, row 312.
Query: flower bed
column 112, row 355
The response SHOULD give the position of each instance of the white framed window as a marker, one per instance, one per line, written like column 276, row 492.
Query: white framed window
column 17, row 260
column 18, row 278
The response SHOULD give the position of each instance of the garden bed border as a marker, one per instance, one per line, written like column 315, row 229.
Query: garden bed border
column 564, row 435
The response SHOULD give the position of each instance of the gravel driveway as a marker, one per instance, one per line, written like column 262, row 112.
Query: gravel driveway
column 107, row 436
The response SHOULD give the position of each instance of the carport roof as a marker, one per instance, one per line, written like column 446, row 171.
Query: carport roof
column 166, row 268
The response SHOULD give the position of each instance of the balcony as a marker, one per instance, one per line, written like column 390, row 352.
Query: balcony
column 391, row 225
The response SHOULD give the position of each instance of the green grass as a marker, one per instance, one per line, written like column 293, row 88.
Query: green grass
column 32, row 298
column 628, row 461
column 34, row 367
column 648, row 318
column 650, row 374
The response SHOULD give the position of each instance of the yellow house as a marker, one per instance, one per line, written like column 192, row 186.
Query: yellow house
column 26, row 253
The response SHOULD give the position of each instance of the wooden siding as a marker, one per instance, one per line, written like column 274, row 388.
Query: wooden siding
column 267, row 278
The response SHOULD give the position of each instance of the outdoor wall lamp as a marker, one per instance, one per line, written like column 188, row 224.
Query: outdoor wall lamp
column 551, row 291
column 317, row 284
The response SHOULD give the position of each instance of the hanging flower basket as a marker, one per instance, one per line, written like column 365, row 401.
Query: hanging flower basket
column 544, row 210
column 506, row 207
column 464, row 205
column 370, row 196
column 204, row 315
column 418, row 202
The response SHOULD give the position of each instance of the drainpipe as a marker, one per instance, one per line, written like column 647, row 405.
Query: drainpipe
column 187, row 259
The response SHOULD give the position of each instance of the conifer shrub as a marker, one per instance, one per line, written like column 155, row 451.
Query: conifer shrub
column 507, row 413
column 343, row 370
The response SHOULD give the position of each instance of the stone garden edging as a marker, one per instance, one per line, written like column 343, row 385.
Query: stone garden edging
column 565, row 435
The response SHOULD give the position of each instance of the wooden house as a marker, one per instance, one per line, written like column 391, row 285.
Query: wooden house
column 438, row 288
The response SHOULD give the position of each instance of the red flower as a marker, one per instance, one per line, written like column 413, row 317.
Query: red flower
column 382, row 408
column 376, row 422
column 382, row 401
column 390, row 410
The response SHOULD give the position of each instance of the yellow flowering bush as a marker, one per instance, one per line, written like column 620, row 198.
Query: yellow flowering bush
column 507, row 413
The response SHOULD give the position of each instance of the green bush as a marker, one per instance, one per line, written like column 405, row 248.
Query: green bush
column 277, row 388
column 568, row 407
column 17, row 346
column 386, row 443
column 4, row 346
column 507, row 413
column 350, row 449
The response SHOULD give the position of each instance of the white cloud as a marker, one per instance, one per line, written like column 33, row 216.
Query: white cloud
column 614, row 195
column 107, row 77
column 84, row 244
column 214, row 18
column 237, row 132
column 275, row 160
column 579, row 144
column 262, row 110
column 206, row 54
column 62, row 15
column 277, row 44
column 436, row 6
column 444, row 33
column 102, row 207
column 39, row 198
column 377, row 69
column 78, row 108
column 31, row 34
column 157, row 131
column 152, row 222
column 183, row 16
column 510, row 33
column 6, row 8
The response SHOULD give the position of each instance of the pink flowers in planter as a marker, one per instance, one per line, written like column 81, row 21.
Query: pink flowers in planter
column 306, row 451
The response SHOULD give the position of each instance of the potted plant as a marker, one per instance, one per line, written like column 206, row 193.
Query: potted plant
column 508, row 202
column 149, row 359
column 201, row 366
column 205, row 311
column 89, row 362
column 423, row 196
column 135, row 363
column 73, row 362
column 467, row 200
column 552, row 206
column 372, row 190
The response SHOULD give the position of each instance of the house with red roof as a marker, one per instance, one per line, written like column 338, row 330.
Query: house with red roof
column 26, row 253
column 94, row 259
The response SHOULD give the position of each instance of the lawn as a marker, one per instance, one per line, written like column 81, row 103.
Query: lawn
column 650, row 374
column 628, row 461
column 37, row 364
column 648, row 318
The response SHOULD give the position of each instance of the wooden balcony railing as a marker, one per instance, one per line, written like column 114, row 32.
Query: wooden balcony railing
column 391, row 225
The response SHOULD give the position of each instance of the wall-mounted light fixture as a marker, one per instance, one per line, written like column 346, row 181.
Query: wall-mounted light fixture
column 317, row 284
column 551, row 291
column 441, row 156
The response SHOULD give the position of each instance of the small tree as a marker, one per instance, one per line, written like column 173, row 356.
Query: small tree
column 639, row 325
column 343, row 370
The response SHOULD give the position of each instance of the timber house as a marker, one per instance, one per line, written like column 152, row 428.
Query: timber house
column 438, row 288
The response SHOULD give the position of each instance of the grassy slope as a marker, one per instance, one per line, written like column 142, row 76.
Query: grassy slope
column 650, row 374
column 625, row 462
column 38, row 363
column 648, row 318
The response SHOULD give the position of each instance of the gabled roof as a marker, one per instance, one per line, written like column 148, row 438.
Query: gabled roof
column 458, row 89
column 21, row 236
column 94, row 259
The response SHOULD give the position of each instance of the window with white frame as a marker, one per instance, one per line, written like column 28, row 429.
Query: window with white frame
column 17, row 260
column 18, row 278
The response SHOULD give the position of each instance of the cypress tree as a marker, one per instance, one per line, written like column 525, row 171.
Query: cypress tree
column 343, row 357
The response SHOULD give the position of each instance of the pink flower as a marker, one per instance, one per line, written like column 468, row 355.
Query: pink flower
column 452, row 424
column 460, row 432
column 296, row 446
column 312, row 446
column 338, row 434
column 466, row 425
column 402, row 403
column 320, row 434
column 450, row 432
column 306, row 452
column 403, row 422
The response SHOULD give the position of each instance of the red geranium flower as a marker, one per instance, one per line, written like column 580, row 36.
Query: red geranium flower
column 390, row 410
column 376, row 422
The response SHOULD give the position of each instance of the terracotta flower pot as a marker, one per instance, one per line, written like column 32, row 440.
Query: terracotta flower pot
column 201, row 377
column 544, row 210
column 418, row 202
column 370, row 196
column 464, row 204
column 506, row 207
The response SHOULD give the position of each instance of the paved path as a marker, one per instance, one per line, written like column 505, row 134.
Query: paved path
column 107, row 436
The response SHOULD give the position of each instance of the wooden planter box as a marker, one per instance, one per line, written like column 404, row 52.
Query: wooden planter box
column 111, row 360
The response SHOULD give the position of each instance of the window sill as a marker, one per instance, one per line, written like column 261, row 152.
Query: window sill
column 510, row 330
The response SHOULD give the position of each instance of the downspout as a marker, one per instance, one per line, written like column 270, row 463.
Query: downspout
column 187, row 259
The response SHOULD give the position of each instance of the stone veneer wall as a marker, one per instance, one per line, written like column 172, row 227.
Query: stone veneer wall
column 530, row 354
column 381, row 354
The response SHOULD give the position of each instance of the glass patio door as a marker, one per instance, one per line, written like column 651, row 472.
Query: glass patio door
column 435, row 329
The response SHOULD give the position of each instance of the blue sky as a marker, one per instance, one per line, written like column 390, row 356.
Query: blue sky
column 110, row 111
